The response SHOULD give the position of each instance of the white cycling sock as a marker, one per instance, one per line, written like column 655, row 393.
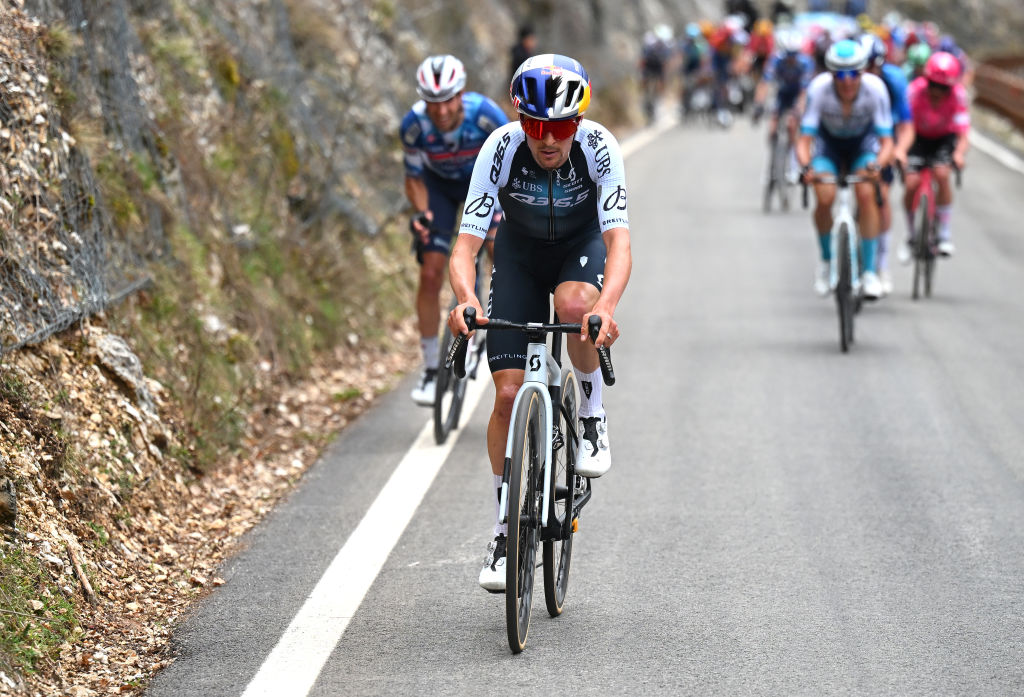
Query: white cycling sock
column 430, row 346
column 499, row 527
column 590, row 393
column 883, row 251
column 943, row 214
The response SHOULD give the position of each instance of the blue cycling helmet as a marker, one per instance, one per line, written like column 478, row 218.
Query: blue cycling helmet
column 692, row 30
column 550, row 87
column 947, row 44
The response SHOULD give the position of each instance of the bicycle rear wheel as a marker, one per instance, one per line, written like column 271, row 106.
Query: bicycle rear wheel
column 448, row 395
column 523, row 518
column 558, row 553
column 922, row 249
column 771, row 178
column 844, row 289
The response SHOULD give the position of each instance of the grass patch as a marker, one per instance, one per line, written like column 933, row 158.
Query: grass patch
column 35, row 617
column 347, row 395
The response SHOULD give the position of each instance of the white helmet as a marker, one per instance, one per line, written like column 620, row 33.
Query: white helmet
column 846, row 55
column 439, row 78
column 789, row 40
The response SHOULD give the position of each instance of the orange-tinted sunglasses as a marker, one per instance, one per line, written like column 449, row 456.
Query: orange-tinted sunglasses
column 535, row 128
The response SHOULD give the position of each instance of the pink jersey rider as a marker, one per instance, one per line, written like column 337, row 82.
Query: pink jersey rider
column 948, row 117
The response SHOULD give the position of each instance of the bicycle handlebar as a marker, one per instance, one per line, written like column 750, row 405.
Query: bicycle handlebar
column 841, row 181
column 457, row 352
column 903, row 174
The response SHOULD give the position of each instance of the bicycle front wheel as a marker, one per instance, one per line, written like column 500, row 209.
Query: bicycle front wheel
column 448, row 395
column 844, row 289
column 523, row 518
column 558, row 552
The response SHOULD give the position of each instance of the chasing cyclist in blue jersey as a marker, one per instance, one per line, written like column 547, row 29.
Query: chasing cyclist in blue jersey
column 791, row 71
column 565, row 233
column 896, row 85
column 848, row 123
column 441, row 135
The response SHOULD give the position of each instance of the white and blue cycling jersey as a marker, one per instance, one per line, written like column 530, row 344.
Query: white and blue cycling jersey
column 448, row 155
column 846, row 139
column 869, row 115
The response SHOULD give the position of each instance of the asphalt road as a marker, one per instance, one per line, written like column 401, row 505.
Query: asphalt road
column 780, row 518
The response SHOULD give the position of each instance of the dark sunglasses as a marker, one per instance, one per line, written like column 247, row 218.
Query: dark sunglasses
column 535, row 128
column 938, row 86
column 846, row 74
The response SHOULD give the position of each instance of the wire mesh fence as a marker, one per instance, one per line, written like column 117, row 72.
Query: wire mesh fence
column 61, row 257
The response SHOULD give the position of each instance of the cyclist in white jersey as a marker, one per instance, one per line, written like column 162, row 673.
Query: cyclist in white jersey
column 848, row 123
column 561, row 184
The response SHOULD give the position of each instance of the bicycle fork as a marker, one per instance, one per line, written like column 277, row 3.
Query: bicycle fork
column 845, row 216
column 541, row 371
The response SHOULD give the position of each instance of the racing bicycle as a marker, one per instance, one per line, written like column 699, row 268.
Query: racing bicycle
column 844, row 266
column 779, row 156
column 925, row 240
column 450, row 390
column 541, row 494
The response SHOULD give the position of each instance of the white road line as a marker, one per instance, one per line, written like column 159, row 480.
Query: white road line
column 295, row 663
column 996, row 151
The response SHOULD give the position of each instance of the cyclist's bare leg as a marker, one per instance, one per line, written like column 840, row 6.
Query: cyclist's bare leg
column 824, row 195
column 428, row 297
column 506, row 385
column 867, row 219
column 944, row 197
column 573, row 299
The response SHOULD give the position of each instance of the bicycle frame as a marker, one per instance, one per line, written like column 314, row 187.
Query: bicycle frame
column 845, row 215
column 924, row 187
column 542, row 373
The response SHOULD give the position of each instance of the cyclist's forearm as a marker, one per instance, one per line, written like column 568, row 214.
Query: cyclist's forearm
column 617, row 267
column 962, row 144
column 904, row 136
column 885, row 152
column 803, row 150
column 416, row 192
column 462, row 266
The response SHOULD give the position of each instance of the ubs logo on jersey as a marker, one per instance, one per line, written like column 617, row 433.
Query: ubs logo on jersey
column 603, row 160
column 527, row 172
column 518, row 183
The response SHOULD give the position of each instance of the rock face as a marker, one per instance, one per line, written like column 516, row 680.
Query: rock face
column 983, row 27
column 8, row 504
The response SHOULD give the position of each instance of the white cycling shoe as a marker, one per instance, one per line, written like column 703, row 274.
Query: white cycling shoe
column 904, row 252
column 594, row 455
column 946, row 248
column 871, row 285
column 492, row 575
column 886, row 278
column 821, row 274
column 423, row 393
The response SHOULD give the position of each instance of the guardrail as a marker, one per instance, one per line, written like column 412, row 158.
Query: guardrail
column 999, row 84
